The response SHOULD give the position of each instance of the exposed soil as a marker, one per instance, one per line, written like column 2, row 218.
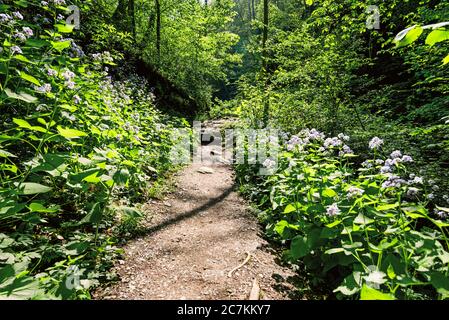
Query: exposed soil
column 196, row 236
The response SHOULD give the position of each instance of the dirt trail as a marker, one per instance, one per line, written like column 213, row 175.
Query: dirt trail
column 197, row 236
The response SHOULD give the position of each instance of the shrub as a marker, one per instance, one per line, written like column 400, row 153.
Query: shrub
column 370, row 229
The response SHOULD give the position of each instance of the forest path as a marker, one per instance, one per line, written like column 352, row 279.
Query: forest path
column 197, row 235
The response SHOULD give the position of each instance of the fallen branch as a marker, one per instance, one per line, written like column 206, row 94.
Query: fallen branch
column 240, row 266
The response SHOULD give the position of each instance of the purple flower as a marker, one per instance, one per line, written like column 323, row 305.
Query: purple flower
column 396, row 154
column 52, row 72
column 17, row 15
column 407, row 158
column 28, row 31
column 70, row 84
column 76, row 99
column 332, row 142
column 393, row 181
column 375, row 143
column 20, row 36
column 354, row 191
column 68, row 75
column 5, row 17
column 46, row 88
column 333, row 210
column 16, row 49
column 269, row 164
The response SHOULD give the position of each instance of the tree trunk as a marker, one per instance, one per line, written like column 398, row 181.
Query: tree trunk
column 158, row 28
column 266, row 108
column 132, row 17
column 254, row 9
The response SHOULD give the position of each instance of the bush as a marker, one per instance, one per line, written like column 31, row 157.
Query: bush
column 78, row 150
column 368, row 230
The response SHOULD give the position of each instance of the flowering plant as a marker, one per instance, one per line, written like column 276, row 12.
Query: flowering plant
column 372, row 226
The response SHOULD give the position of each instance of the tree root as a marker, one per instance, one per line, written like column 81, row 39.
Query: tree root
column 240, row 266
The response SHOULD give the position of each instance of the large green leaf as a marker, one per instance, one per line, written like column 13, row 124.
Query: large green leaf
column 95, row 214
column 437, row 36
column 61, row 45
column 290, row 208
column 329, row 193
column 299, row 247
column 71, row 133
column 30, row 188
column 65, row 28
column 351, row 284
column 411, row 36
column 29, row 78
column 441, row 283
column 20, row 96
column 369, row 293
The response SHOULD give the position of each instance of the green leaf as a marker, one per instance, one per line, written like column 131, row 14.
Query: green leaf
column 36, row 43
column 390, row 272
column 71, row 133
column 329, row 193
column 20, row 96
column 369, row 293
column 386, row 207
column 29, row 188
column 290, row 208
column 334, row 251
column 299, row 247
column 350, row 285
column 93, row 178
column 22, row 123
column 441, row 283
column 95, row 215
column 21, row 289
column 65, row 28
column 60, row 45
column 6, row 154
column 131, row 212
column 21, row 58
column 309, row 2
column 29, row 78
column 411, row 36
column 361, row 219
column 446, row 60
column 437, row 36
column 37, row 207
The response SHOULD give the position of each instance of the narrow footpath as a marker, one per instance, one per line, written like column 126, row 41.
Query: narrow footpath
column 203, row 242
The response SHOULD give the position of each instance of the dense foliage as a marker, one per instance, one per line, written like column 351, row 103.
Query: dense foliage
column 83, row 140
column 367, row 231
column 79, row 150
column 372, row 225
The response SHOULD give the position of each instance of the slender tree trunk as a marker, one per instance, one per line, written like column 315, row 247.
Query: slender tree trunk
column 158, row 28
column 250, row 14
column 266, row 111
column 254, row 9
column 132, row 17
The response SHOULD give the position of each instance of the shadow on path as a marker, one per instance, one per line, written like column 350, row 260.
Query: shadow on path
column 209, row 204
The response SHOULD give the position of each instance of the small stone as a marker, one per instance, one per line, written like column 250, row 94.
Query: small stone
column 206, row 170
